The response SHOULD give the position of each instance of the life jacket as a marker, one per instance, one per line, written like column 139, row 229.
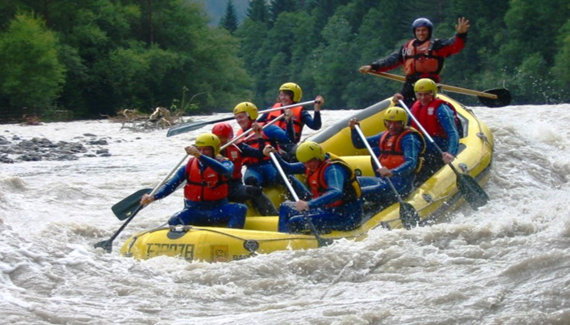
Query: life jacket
column 206, row 185
column 421, row 60
column 391, row 153
column 428, row 118
column 318, row 185
column 254, row 143
column 295, row 118
column 233, row 153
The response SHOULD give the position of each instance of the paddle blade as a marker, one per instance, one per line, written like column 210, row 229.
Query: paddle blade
column 409, row 216
column 183, row 128
column 107, row 245
column 129, row 205
column 503, row 98
column 472, row 191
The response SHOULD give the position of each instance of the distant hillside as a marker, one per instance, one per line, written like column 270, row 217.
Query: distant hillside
column 217, row 8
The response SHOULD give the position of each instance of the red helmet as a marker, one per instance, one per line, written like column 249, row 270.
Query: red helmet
column 223, row 130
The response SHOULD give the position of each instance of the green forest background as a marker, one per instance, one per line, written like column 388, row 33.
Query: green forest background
column 93, row 58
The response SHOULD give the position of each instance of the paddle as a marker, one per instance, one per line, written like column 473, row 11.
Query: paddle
column 469, row 188
column 130, row 206
column 491, row 98
column 320, row 240
column 124, row 208
column 187, row 127
column 408, row 214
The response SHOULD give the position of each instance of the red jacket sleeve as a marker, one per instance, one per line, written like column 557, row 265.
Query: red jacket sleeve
column 447, row 47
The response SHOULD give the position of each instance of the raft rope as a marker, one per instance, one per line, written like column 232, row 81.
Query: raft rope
column 189, row 228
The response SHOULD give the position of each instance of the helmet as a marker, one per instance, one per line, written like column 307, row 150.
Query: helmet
column 293, row 87
column 425, row 84
column 422, row 22
column 223, row 130
column 208, row 140
column 247, row 107
column 396, row 114
column 309, row 150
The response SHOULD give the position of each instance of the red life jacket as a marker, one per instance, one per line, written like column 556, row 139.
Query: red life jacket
column 391, row 153
column 254, row 143
column 233, row 153
column 421, row 59
column 207, row 185
column 296, row 119
column 428, row 118
column 318, row 185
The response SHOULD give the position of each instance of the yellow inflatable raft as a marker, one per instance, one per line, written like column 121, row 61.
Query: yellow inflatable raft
column 438, row 195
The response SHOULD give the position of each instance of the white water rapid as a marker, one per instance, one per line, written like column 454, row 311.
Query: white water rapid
column 508, row 263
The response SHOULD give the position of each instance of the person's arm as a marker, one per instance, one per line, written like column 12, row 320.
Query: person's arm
column 249, row 151
column 278, row 136
column 448, row 47
column 314, row 122
column 388, row 63
column 289, row 168
column 262, row 118
column 224, row 167
column 373, row 141
column 276, row 133
column 172, row 184
column 446, row 118
column 335, row 176
column 411, row 146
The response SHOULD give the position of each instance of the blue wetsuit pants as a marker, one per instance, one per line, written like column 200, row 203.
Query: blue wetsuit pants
column 345, row 217
column 205, row 214
column 377, row 190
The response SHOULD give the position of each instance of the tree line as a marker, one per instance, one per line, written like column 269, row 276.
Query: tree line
column 96, row 57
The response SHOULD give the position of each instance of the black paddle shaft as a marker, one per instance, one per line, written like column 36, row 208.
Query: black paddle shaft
column 108, row 244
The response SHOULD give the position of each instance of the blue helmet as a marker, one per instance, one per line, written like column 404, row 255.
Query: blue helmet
column 422, row 22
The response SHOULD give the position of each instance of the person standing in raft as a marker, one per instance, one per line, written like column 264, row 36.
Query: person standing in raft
column 421, row 57
column 335, row 192
column 206, row 190
column 238, row 191
column 398, row 149
column 260, row 171
column 297, row 117
column 440, row 121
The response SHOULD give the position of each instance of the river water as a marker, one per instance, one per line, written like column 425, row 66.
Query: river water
column 507, row 263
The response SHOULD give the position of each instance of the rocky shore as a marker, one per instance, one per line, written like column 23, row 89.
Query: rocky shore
column 16, row 149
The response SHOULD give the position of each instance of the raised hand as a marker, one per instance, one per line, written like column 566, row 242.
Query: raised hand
column 462, row 26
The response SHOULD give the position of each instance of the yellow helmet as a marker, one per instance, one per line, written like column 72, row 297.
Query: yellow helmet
column 425, row 84
column 293, row 87
column 247, row 107
column 396, row 114
column 208, row 140
column 309, row 150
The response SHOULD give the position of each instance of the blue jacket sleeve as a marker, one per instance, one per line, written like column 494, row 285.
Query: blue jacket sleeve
column 446, row 119
column 291, row 168
column 277, row 134
column 224, row 167
column 314, row 123
column 172, row 184
column 373, row 141
column 335, row 177
column 411, row 145
column 249, row 151
column 262, row 118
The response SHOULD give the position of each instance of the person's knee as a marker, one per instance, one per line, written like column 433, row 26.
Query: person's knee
column 253, row 190
column 175, row 220
column 251, row 180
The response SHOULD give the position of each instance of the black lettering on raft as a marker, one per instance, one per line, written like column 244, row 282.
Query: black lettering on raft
column 184, row 250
